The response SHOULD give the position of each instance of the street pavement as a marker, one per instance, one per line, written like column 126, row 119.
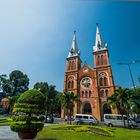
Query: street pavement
column 6, row 133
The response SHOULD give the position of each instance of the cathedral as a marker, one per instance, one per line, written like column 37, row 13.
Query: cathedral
column 93, row 85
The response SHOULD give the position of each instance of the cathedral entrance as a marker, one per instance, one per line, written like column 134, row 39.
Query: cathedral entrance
column 106, row 109
column 87, row 108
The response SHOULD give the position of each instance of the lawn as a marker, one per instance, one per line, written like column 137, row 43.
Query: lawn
column 5, row 121
column 67, row 132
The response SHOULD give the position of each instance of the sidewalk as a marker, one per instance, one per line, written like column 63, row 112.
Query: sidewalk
column 7, row 134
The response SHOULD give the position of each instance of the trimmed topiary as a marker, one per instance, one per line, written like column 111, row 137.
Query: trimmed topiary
column 28, row 112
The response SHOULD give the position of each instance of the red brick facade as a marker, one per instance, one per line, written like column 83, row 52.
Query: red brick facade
column 93, row 85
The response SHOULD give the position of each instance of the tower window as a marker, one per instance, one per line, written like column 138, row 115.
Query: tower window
column 86, row 94
column 106, row 92
column 101, row 81
column 82, row 93
column 105, row 81
column 69, row 83
column 72, row 84
column 72, row 65
column 98, row 60
column 102, row 93
column 90, row 93
column 102, row 59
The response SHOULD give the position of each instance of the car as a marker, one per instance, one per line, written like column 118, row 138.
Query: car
column 136, row 119
column 85, row 119
column 49, row 119
column 118, row 120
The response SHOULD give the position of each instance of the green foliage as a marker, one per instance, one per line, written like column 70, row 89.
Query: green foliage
column 13, row 99
column 42, row 87
column 27, row 127
column 27, row 118
column 92, row 129
column 26, row 105
column 5, row 121
column 32, row 97
column 125, row 100
column 15, row 84
column 27, row 109
column 51, row 102
column 67, row 100
column 82, row 129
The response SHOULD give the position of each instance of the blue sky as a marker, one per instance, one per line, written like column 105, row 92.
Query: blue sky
column 35, row 36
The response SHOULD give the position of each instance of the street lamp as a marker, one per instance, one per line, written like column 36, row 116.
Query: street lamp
column 128, row 64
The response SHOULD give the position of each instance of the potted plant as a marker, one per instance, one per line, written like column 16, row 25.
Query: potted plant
column 28, row 110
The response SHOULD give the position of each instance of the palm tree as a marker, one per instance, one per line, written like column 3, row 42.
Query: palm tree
column 135, row 101
column 67, row 101
column 119, row 100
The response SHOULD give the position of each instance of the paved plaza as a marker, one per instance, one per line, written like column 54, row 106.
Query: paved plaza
column 6, row 133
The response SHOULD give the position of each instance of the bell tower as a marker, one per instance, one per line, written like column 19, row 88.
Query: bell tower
column 104, row 77
column 73, row 64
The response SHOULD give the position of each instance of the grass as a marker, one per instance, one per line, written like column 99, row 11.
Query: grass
column 5, row 121
column 65, row 132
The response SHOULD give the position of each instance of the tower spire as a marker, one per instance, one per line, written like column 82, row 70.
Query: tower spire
column 74, row 51
column 99, row 44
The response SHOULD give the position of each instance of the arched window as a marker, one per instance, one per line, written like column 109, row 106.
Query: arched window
column 72, row 84
column 72, row 65
column 69, row 66
column 69, row 84
column 90, row 93
column 98, row 60
column 102, row 93
column 86, row 94
column 105, row 81
column 106, row 92
column 102, row 59
column 101, row 81
column 82, row 93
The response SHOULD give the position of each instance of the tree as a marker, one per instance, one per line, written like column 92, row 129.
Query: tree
column 51, row 103
column 19, row 82
column 42, row 87
column 126, row 101
column 118, row 100
column 67, row 100
column 135, row 101
column 15, row 84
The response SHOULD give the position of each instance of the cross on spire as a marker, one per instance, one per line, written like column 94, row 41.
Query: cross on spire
column 74, row 51
column 99, row 44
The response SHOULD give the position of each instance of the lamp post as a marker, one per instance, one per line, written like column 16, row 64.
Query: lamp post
column 129, row 64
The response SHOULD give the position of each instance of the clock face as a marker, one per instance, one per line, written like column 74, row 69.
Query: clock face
column 86, row 82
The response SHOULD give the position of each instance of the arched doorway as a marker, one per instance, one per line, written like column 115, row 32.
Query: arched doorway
column 87, row 108
column 106, row 109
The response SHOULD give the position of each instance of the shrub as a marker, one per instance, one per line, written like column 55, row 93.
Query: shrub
column 28, row 110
